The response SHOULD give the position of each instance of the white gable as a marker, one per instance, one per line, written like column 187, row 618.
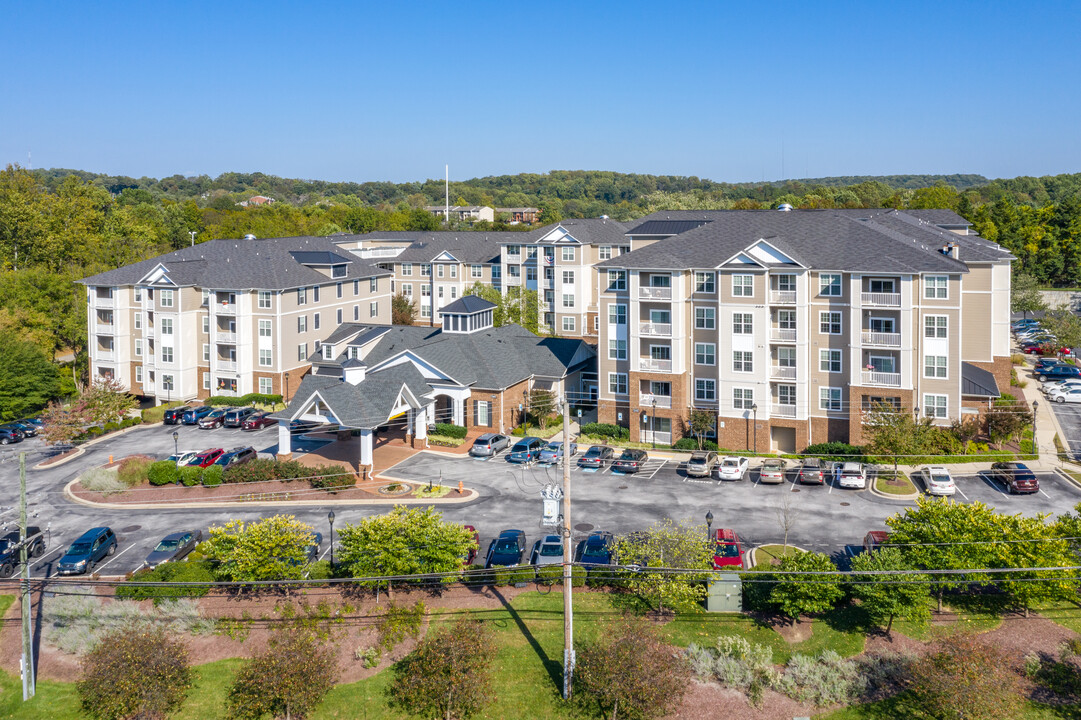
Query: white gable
column 315, row 409
column 766, row 253
column 429, row 371
column 559, row 234
column 445, row 257
column 157, row 276
column 740, row 259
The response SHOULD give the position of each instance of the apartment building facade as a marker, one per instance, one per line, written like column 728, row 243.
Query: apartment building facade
column 227, row 317
column 790, row 326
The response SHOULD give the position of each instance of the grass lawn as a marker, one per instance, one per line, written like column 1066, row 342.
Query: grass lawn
column 883, row 485
column 971, row 615
column 1067, row 614
column 446, row 440
column 764, row 553
column 437, row 491
column 897, row 708
column 6, row 601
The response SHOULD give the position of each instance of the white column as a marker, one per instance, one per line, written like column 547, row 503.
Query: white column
column 420, row 427
column 459, row 411
column 366, row 447
column 284, row 438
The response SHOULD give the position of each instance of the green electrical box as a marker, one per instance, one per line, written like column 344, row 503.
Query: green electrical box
column 724, row 593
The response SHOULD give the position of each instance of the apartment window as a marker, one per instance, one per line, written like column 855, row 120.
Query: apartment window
column 439, row 271
column 206, row 297
column 936, row 326
column 786, row 394
column 265, row 358
column 705, row 354
column 829, row 361
column 206, row 381
column 407, row 289
column 935, row 287
column 549, row 296
column 617, row 314
column 934, row 366
column 497, row 272
column 356, row 312
column 425, row 290
column 742, row 361
column 705, row 318
column 568, row 277
column 786, row 283
column 139, row 294
column 206, row 324
column 302, row 352
column 138, row 321
column 604, row 252
column 705, row 390
column 166, row 326
column 338, row 271
column 264, row 328
column 617, row 349
column 453, row 271
column 617, row 280
column 302, row 296
column 266, row 386
column 935, row 405
column 482, row 413
column 705, row 282
column 439, row 292
column 741, row 324
column 660, row 352
column 166, row 298
column 425, row 311
column 617, row 383
column 742, row 398
column 531, row 274
column 206, row 352
column 264, row 300
column 829, row 399
column 829, row 285
column 568, row 324
column 514, row 271
column 829, row 323
column 514, row 249
column 302, row 323
column 138, row 348
column 476, row 271
column 407, row 269
column 426, row 270
column 568, row 254
column 568, row 300
column 315, row 293
column 138, row 373
column 338, row 317
column 315, row 321
column 373, row 309
column 356, row 288
column 743, row 285
column 167, row 382
column 166, row 353
column 786, row 319
column 338, row 289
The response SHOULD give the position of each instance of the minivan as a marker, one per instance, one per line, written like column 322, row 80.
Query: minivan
column 526, row 450
column 235, row 418
column 87, row 551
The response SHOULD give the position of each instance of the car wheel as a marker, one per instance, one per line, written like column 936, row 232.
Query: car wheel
column 37, row 550
column 7, row 570
column 112, row 548
column 1060, row 399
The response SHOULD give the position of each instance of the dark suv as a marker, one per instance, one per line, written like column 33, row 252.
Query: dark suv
column 87, row 551
column 235, row 418
column 9, row 549
column 526, row 450
column 236, row 456
column 10, row 435
column 1057, row 372
column 192, row 416
column 174, row 415
column 1016, row 477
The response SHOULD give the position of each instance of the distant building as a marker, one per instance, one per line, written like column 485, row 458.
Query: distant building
column 520, row 214
column 463, row 213
column 256, row 200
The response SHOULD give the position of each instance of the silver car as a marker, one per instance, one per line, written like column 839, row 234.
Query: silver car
column 554, row 452
column 547, row 551
column 489, row 445
column 701, row 464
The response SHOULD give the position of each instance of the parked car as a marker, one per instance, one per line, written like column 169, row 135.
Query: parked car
column 471, row 556
column 86, row 552
column 595, row 549
column 258, row 421
column 1066, row 395
column 937, row 480
column 526, row 450
column 772, row 471
column 27, row 428
column 553, row 452
column 235, row 418
column 1057, row 372
column 1050, row 387
column 701, row 464
column 206, row 458
column 175, row 415
column 728, row 551
column 873, row 539
column 851, row 475
column 547, row 551
column 506, row 550
column 489, row 445
column 733, row 468
column 303, row 426
column 34, row 421
column 1018, row 325
column 212, row 420
column 236, row 456
column 173, row 547
column 631, row 461
column 1047, row 362
column 10, row 435
column 192, row 416
column 1016, row 477
column 810, row 472
column 183, row 458
column 313, row 547
column 9, row 549
column 596, row 457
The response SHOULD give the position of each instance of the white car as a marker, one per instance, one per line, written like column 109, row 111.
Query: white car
column 1069, row 395
column 732, row 468
column 851, row 475
column 1049, row 388
column 937, row 480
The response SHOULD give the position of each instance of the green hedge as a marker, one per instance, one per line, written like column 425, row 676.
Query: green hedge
column 606, row 430
column 688, row 443
column 323, row 477
column 834, row 450
column 450, row 430
column 169, row 572
column 157, row 414
column 163, row 472
column 190, row 476
column 244, row 400
column 212, row 476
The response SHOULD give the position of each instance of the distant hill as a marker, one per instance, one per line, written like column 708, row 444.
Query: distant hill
column 897, row 182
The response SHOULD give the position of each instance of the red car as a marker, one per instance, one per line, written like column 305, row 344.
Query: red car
column 729, row 550
column 258, row 421
column 873, row 539
column 206, row 458
column 469, row 557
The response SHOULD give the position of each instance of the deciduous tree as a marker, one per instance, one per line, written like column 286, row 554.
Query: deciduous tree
column 28, row 379
column 701, row 422
column 667, row 545
column 541, row 405
column 797, row 595
column 105, row 401
column 888, row 596
column 965, row 679
column 289, row 680
column 1025, row 295
column 275, row 548
column 402, row 310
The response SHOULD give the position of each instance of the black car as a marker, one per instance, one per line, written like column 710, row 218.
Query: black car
column 192, row 416
column 236, row 456
column 507, row 549
column 86, row 552
column 174, row 415
column 9, row 549
column 595, row 549
column 235, row 418
column 28, row 428
column 596, row 457
column 313, row 547
column 1016, row 477
column 10, row 435
column 173, row 547
column 631, row 461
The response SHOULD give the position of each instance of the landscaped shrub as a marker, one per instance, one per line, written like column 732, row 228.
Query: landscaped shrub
column 606, row 430
column 329, row 477
column 111, row 427
column 127, row 422
column 450, row 430
column 550, row 574
column 501, row 576
column 212, row 476
column 690, row 443
column 244, row 400
column 187, row 571
column 290, row 678
column 75, row 623
column 823, row 679
column 163, row 472
column 291, row 470
column 95, row 431
column 737, row 664
column 190, row 476
column 963, row 677
column 102, row 480
column 834, row 450
column 133, row 470
column 399, row 622
column 258, row 470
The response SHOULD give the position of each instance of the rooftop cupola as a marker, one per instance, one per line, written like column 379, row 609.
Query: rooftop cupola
column 468, row 315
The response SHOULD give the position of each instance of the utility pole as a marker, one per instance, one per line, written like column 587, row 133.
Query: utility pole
column 24, row 587
column 568, row 606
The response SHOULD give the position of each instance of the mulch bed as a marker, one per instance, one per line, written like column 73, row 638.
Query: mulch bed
column 271, row 491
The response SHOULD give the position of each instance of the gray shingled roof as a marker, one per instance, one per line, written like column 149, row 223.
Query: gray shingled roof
column 467, row 304
column 588, row 231
column 665, row 227
column 466, row 247
column 240, row 265
column 319, row 257
column 977, row 382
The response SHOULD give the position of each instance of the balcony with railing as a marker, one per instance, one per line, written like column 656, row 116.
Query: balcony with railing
column 646, row 400
column 103, row 301
column 881, row 379
column 654, row 293
column 225, row 393
column 649, row 436
column 651, row 365
column 782, row 297
column 105, row 355
column 783, row 410
column 782, row 372
column 655, row 329
column 101, row 328
column 881, row 299
column 225, row 365
column 225, row 308
column 786, row 335
column 229, row 338
column 882, row 339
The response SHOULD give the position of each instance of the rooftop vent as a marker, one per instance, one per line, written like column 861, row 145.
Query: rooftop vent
column 249, row 236
column 784, row 207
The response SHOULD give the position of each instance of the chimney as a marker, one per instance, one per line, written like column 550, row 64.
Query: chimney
column 353, row 372
column 955, row 251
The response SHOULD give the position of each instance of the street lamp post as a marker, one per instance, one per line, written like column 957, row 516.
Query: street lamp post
column 286, row 388
column 176, row 447
column 653, row 426
column 1035, row 447
column 330, row 517
column 754, row 409
column 709, row 523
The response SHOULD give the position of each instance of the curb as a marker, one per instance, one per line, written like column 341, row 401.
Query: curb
column 754, row 563
column 888, row 496
column 45, row 465
column 1067, row 477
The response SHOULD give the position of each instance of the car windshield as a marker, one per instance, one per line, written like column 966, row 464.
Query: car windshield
column 628, row 456
column 771, row 466
column 551, row 550
column 554, row 447
column 810, row 464
column 595, row 550
column 698, row 457
column 731, row 463
column 940, row 477
column 167, row 545
column 4, row 545
column 80, row 548
column 727, row 550
column 506, row 546
column 593, row 452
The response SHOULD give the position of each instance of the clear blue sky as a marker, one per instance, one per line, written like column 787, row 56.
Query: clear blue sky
column 392, row 91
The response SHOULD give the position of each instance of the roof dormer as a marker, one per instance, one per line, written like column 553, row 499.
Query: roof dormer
column 468, row 315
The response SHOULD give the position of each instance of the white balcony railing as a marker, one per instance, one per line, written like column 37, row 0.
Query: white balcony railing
column 225, row 365
column 646, row 400
column 882, row 339
column 225, row 337
column 104, row 302
column 879, row 299
column 655, row 329
column 225, row 393
column 225, row 308
column 651, row 365
column 785, row 411
column 885, row 379
column 648, row 436
column 782, row 297
column 105, row 356
column 782, row 372
column 512, row 280
column 654, row 293
column 104, row 328
column 782, row 334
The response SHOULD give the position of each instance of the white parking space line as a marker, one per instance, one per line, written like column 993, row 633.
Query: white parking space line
column 657, row 469
column 99, row 568
column 325, row 552
column 1044, row 494
column 958, row 488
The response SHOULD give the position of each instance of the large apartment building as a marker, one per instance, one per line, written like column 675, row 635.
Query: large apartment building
column 227, row 317
column 789, row 326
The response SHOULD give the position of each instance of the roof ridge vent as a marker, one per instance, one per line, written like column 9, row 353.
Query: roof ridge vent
column 250, row 236
column 784, row 207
